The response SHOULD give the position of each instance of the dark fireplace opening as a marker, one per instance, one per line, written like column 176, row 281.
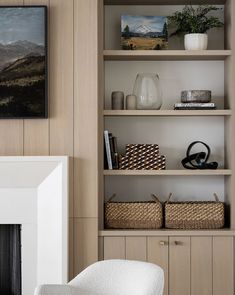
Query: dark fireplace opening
column 10, row 259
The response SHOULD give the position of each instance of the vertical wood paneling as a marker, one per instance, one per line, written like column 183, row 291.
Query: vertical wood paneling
column 61, row 77
column 86, row 108
column 223, row 261
column 136, row 248
column 85, row 243
column 201, row 265
column 157, row 252
column 61, row 82
column 179, row 266
column 114, row 248
column 71, row 248
column 100, row 248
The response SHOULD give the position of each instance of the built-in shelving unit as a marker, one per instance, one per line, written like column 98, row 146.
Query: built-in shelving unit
column 116, row 63
column 166, row 55
column 202, row 264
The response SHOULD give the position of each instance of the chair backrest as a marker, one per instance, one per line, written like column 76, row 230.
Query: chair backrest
column 120, row 277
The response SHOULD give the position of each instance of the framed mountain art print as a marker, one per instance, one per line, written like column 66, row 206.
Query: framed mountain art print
column 144, row 32
column 23, row 62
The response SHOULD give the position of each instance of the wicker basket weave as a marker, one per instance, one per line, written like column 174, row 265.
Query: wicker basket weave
column 134, row 215
column 194, row 215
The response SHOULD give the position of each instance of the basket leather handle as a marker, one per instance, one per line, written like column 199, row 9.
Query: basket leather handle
column 155, row 198
column 216, row 197
column 111, row 198
column 169, row 198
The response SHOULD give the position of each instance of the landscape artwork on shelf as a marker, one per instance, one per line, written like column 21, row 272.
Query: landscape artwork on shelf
column 144, row 32
column 23, row 62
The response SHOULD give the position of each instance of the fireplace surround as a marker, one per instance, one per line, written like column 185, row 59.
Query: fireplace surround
column 34, row 195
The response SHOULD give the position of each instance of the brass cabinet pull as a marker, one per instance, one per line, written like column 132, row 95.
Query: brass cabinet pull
column 163, row 243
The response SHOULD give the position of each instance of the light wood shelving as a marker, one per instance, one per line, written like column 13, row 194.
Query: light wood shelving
column 166, row 113
column 165, row 232
column 162, row 2
column 166, row 55
column 218, row 172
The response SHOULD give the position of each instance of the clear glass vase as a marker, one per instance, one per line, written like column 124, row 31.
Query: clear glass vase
column 147, row 88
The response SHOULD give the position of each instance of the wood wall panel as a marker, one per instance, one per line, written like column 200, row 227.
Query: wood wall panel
column 223, row 262
column 179, row 265
column 62, row 133
column 61, row 77
column 114, row 248
column 85, row 243
column 86, row 108
column 201, row 265
column 157, row 252
column 136, row 248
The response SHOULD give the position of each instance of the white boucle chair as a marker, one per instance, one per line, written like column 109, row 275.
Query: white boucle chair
column 112, row 277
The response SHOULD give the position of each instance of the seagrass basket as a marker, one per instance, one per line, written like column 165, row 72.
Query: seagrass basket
column 194, row 215
column 134, row 215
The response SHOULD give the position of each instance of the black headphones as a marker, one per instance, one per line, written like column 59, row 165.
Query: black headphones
column 198, row 160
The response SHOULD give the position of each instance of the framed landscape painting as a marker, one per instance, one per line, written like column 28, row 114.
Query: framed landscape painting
column 23, row 62
column 144, row 32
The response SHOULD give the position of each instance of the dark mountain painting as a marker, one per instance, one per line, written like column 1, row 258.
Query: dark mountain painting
column 23, row 70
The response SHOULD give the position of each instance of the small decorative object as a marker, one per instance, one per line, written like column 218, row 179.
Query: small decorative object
column 148, row 91
column 23, row 62
column 134, row 215
column 199, row 96
column 198, row 160
column 144, row 32
column 194, row 23
column 194, row 215
column 142, row 157
column 131, row 102
column 117, row 100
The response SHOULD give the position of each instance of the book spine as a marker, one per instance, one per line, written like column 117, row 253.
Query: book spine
column 108, row 151
column 115, row 153
column 201, row 105
column 111, row 148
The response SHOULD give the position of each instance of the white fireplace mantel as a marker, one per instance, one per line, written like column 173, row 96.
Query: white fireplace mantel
column 34, row 193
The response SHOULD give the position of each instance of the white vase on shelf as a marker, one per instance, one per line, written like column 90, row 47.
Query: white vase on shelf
column 196, row 41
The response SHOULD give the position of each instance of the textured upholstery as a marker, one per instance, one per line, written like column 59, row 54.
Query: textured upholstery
column 112, row 277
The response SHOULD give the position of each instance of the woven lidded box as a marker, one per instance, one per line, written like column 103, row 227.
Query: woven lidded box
column 142, row 157
column 134, row 215
column 194, row 215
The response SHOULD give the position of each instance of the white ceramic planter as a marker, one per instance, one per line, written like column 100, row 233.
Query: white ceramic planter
column 195, row 41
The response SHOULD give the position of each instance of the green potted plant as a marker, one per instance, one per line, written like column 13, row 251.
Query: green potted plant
column 194, row 24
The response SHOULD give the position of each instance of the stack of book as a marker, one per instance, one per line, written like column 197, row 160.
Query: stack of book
column 110, row 151
column 195, row 106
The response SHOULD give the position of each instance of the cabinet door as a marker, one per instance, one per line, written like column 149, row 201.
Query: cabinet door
column 223, row 260
column 201, row 265
column 157, row 253
column 136, row 248
column 179, row 265
column 114, row 248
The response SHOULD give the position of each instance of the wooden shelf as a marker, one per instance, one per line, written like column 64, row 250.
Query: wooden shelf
column 166, row 54
column 162, row 2
column 166, row 232
column 218, row 172
column 166, row 113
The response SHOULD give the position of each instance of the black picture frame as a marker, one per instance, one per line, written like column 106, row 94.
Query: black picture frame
column 41, row 93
